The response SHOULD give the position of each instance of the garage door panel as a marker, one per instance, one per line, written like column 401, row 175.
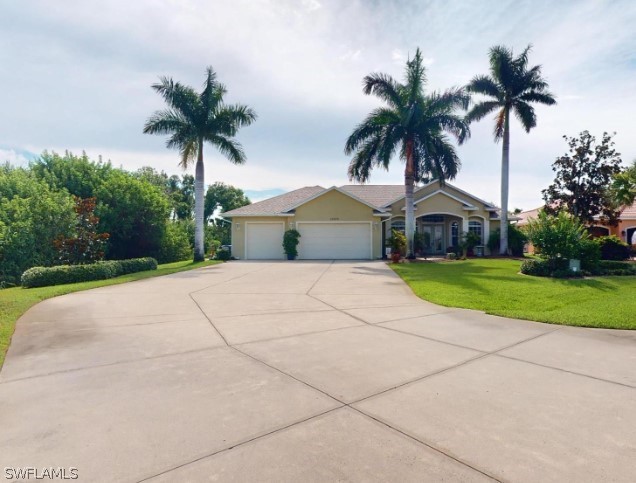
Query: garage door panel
column 264, row 241
column 334, row 241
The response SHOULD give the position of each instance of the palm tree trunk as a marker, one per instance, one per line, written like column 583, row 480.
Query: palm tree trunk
column 505, row 168
column 409, row 181
column 199, row 196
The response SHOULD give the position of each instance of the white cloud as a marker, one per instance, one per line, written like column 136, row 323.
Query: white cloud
column 78, row 76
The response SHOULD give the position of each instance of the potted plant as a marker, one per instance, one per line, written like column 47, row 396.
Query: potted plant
column 290, row 242
column 397, row 242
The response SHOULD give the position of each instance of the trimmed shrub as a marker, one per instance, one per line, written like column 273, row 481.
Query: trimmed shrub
column 537, row 268
column 223, row 255
column 516, row 241
column 45, row 276
column 590, row 255
column 612, row 248
column 175, row 245
column 134, row 265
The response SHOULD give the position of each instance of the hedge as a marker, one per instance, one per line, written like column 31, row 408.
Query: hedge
column 45, row 276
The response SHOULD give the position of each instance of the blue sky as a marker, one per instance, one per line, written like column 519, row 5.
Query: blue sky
column 77, row 76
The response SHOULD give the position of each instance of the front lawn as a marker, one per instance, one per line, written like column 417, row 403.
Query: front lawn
column 496, row 287
column 15, row 301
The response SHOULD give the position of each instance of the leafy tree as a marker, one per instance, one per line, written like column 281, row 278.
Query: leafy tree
column 583, row 178
column 511, row 87
column 134, row 213
column 224, row 197
column 192, row 119
column 623, row 190
column 175, row 245
column 556, row 236
column 86, row 245
column 183, row 198
column 32, row 216
column 413, row 123
column 77, row 174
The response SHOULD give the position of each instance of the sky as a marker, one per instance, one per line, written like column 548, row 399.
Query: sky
column 76, row 76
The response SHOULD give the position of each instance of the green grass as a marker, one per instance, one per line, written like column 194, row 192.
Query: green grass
column 16, row 301
column 496, row 287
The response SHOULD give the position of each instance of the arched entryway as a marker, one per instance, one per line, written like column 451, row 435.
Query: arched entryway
column 598, row 231
column 437, row 232
column 630, row 235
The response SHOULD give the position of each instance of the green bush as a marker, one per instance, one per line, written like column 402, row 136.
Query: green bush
column 134, row 265
column 175, row 245
column 590, row 255
column 612, row 248
column 397, row 242
column 516, row 241
column 557, row 237
column 290, row 243
column 536, row 267
column 223, row 255
column 45, row 276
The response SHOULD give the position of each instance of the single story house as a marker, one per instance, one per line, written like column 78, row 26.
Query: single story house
column 625, row 229
column 354, row 221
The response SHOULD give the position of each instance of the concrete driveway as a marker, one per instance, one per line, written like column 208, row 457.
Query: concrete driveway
column 301, row 371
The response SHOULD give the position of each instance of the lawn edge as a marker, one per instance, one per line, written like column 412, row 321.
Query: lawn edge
column 9, row 319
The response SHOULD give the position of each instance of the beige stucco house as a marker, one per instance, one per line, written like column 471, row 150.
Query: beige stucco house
column 354, row 221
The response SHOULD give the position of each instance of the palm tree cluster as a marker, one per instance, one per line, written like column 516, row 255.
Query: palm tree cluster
column 419, row 124
column 416, row 125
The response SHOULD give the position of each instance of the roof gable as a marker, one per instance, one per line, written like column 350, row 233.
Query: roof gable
column 340, row 190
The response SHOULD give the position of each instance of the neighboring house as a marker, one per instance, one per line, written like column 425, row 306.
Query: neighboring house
column 354, row 221
column 625, row 229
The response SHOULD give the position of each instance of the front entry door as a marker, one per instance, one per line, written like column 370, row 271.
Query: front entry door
column 433, row 239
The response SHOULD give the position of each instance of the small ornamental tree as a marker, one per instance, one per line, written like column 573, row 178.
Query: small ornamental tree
column 291, row 238
column 583, row 179
column 87, row 246
column 557, row 237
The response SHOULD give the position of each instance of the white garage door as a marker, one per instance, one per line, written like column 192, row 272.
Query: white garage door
column 344, row 241
column 264, row 241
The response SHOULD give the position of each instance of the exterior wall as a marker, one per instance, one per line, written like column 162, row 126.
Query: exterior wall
column 238, row 231
column 337, row 207
column 445, row 205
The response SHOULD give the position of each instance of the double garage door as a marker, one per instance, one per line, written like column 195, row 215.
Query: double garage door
column 318, row 241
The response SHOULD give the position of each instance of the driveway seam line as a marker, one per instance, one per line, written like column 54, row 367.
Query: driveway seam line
column 574, row 373
column 109, row 364
column 428, row 445
column 241, row 443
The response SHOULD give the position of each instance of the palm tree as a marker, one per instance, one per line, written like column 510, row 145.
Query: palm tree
column 416, row 124
column 511, row 86
column 193, row 119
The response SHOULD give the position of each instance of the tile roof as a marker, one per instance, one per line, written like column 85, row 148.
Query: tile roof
column 277, row 204
column 524, row 216
column 629, row 212
column 377, row 194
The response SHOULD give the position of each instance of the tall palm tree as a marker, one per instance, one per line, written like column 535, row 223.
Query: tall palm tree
column 192, row 119
column 415, row 123
column 511, row 86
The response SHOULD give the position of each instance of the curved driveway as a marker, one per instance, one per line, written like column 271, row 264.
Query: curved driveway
column 310, row 371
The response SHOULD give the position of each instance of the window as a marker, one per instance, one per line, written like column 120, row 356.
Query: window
column 398, row 225
column 433, row 219
column 454, row 234
column 475, row 227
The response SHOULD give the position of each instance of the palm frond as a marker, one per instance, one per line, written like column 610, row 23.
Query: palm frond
column 372, row 125
column 384, row 87
column 213, row 91
column 526, row 115
column 501, row 64
column 189, row 152
column 364, row 159
column 481, row 110
column 165, row 122
column 230, row 148
column 500, row 123
column 415, row 76
column 485, row 85
column 541, row 97
column 178, row 96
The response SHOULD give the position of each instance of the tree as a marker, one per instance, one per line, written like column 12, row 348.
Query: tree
column 225, row 197
column 134, row 213
column 623, row 191
column 510, row 87
column 86, row 245
column 415, row 124
column 195, row 118
column 583, row 178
